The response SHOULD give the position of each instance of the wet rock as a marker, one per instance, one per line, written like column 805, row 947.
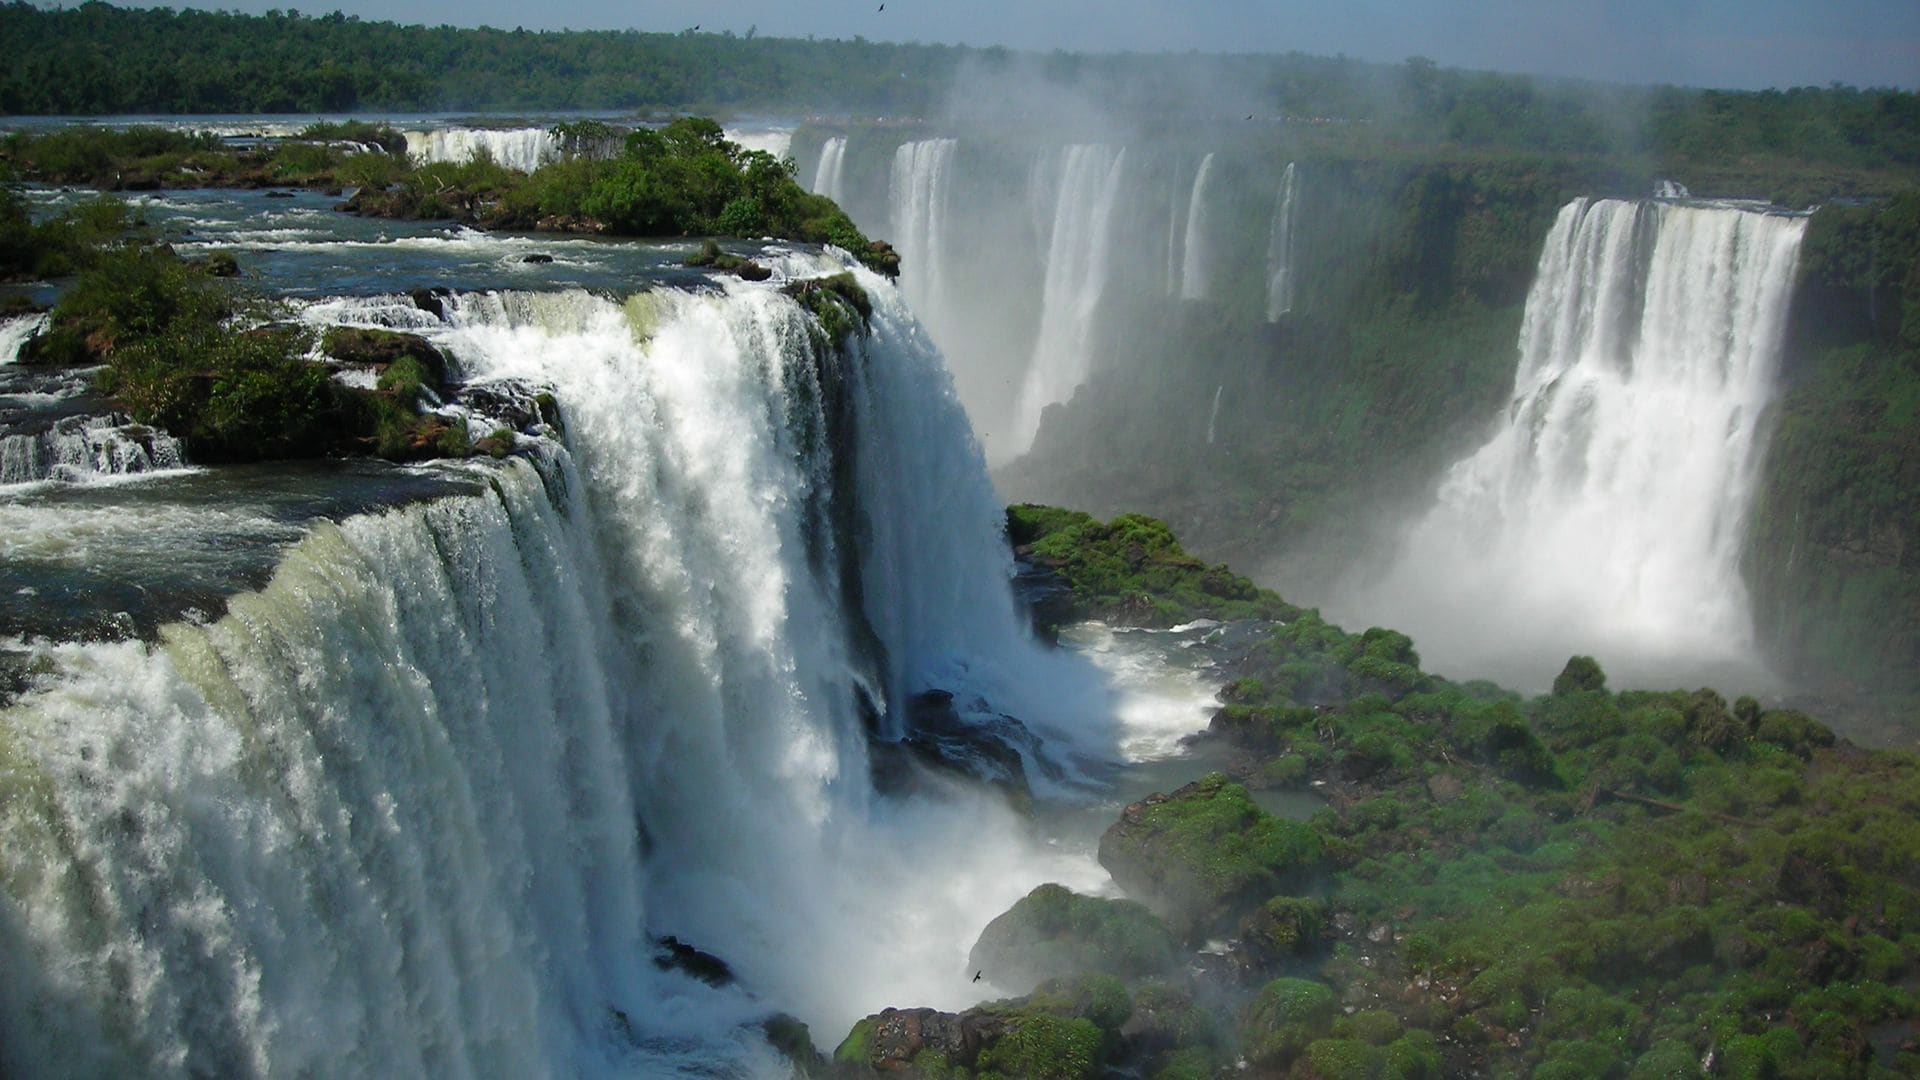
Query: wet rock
column 536, row 259
column 431, row 300
column 677, row 955
column 1053, row 931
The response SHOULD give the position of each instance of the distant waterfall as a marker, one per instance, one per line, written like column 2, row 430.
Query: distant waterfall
column 414, row 807
column 1078, row 254
column 1607, row 513
column 1213, row 414
column 919, row 192
column 826, row 175
column 82, row 449
column 14, row 334
column 1280, row 251
column 525, row 149
column 1196, row 265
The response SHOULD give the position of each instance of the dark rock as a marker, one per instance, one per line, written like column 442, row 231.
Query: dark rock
column 753, row 271
column 511, row 403
column 891, row 1039
column 536, row 259
column 677, row 955
column 432, row 300
column 278, row 195
column 994, row 749
column 379, row 348
column 218, row 264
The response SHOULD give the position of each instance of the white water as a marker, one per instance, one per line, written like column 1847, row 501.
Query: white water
column 1196, row 265
column 414, row 807
column 525, row 149
column 1079, row 252
column 920, row 197
column 1280, row 251
column 775, row 141
column 14, row 334
column 826, row 175
column 1670, row 189
column 1606, row 515
column 87, row 449
column 1213, row 414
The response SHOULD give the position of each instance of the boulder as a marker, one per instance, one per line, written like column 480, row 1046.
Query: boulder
column 1053, row 932
column 381, row 348
column 1206, row 854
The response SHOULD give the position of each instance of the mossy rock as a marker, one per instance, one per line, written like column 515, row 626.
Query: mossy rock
column 1205, row 854
column 1283, row 1018
column 385, row 348
column 1282, row 928
column 1053, row 931
column 1344, row 1059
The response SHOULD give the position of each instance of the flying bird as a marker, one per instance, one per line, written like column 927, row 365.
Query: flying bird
column 883, row 7
column 976, row 975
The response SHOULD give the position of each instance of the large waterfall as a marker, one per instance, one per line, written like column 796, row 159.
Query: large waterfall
column 1607, row 513
column 1078, row 256
column 417, row 805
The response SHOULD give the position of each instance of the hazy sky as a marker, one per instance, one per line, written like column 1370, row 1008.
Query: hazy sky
column 1723, row 43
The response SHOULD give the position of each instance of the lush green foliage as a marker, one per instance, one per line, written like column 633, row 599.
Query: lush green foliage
column 1133, row 570
column 1053, row 931
column 1836, row 532
column 63, row 244
column 1584, row 884
column 99, row 59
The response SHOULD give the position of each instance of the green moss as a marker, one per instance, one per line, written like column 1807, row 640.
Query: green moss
column 1102, row 999
column 854, row 1049
column 1044, row 1047
column 1053, row 931
column 1345, row 1059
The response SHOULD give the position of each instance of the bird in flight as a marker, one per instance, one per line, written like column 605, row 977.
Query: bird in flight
column 976, row 975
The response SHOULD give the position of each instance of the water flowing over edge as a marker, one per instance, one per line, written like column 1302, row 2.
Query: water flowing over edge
column 420, row 802
column 1607, row 513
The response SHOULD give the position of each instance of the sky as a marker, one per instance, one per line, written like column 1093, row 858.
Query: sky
column 1739, row 44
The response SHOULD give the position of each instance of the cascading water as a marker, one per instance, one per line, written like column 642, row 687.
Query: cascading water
column 1078, row 254
column 1606, row 515
column 416, row 805
column 80, row 449
column 1196, row 264
column 919, row 195
column 1280, row 251
column 826, row 175
column 525, row 149
column 15, row 332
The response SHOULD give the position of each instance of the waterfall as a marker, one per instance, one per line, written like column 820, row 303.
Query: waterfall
column 14, row 334
column 1670, row 189
column 415, row 806
column 826, row 175
column 1078, row 254
column 84, row 449
column 918, row 191
column 1196, row 267
column 1213, row 414
column 524, row 149
column 1280, row 251
column 775, row 141
column 1607, row 513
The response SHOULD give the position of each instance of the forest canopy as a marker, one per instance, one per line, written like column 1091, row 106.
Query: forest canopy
column 97, row 59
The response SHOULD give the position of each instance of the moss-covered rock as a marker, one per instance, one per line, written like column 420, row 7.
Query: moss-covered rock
column 1203, row 855
column 1053, row 931
column 1283, row 1018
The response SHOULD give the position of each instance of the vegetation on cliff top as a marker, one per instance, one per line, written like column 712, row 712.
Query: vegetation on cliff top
column 683, row 179
column 1582, row 884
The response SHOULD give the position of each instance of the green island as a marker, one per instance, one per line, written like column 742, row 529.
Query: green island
column 185, row 347
column 1582, row 884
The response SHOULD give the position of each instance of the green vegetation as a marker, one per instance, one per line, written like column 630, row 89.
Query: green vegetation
column 1053, row 931
column 187, row 351
column 1836, row 529
column 683, row 179
column 1204, row 855
column 1131, row 569
column 98, row 59
column 1581, row 884
column 61, row 245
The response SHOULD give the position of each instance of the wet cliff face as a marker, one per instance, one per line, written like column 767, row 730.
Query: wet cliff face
column 1834, row 554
